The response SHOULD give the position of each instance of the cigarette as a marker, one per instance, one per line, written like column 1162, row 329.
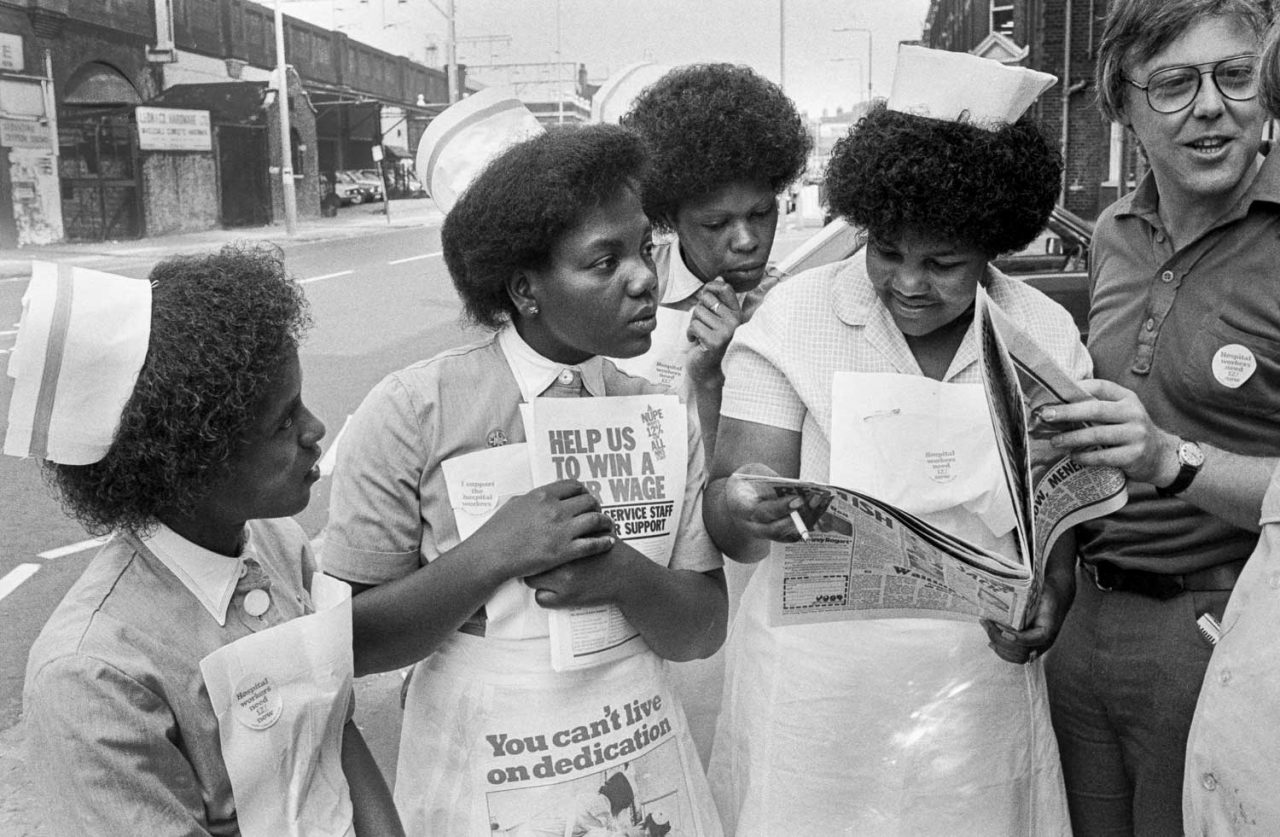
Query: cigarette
column 799, row 524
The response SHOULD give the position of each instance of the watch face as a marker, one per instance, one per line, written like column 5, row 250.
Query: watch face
column 1189, row 453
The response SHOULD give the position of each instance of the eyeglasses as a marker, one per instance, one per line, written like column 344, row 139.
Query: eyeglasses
column 1174, row 89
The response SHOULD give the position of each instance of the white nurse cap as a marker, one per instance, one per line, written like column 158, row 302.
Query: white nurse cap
column 81, row 344
column 466, row 136
column 940, row 84
column 620, row 90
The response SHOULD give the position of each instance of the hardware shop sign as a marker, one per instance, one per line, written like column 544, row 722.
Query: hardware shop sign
column 173, row 129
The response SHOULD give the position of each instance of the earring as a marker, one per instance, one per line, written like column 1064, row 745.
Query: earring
column 533, row 310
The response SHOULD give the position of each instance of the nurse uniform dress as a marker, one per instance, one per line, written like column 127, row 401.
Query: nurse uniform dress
column 492, row 735
column 893, row 726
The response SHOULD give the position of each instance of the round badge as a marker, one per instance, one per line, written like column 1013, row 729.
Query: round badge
column 256, row 702
column 497, row 438
column 257, row 602
column 1233, row 364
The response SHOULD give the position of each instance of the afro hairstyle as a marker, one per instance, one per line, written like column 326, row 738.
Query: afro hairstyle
column 524, row 201
column 709, row 125
column 221, row 325
column 990, row 189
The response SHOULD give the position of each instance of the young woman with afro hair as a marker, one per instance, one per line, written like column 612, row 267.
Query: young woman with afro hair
column 549, row 248
column 723, row 143
column 904, row 726
column 211, row 453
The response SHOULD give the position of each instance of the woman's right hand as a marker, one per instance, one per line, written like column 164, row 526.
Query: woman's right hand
column 759, row 510
column 544, row 528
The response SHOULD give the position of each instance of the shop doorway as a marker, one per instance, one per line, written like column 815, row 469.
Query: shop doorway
column 98, row 165
column 242, row 165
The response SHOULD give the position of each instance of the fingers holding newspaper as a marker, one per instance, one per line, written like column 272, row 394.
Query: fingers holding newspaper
column 1056, row 595
column 1121, row 433
column 543, row 528
column 760, row 511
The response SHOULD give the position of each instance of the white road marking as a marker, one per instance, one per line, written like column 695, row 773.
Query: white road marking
column 416, row 258
column 15, row 577
column 72, row 549
column 326, row 276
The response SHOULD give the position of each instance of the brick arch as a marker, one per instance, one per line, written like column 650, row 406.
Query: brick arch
column 99, row 83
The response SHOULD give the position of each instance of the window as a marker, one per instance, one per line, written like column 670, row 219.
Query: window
column 1002, row 18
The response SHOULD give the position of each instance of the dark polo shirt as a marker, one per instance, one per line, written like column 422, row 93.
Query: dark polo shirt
column 1158, row 317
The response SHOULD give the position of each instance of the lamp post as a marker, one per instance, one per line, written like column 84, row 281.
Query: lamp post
column 782, row 44
column 449, row 11
column 289, row 191
column 867, row 32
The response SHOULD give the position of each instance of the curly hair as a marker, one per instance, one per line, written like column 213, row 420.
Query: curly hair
column 221, row 325
column 516, row 210
column 709, row 125
column 993, row 190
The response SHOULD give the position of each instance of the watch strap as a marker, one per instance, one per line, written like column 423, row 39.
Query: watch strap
column 1186, row 473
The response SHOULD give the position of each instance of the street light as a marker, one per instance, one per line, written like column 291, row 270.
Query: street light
column 290, row 193
column 450, row 46
column 866, row 31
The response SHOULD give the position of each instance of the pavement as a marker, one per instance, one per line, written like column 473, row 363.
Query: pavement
column 377, row 696
column 350, row 222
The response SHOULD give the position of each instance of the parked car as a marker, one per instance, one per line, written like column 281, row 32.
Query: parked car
column 348, row 189
column 369, row 180
column 1061, row 270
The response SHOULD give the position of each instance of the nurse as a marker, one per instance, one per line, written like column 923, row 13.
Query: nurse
column 893, row 726
column 191, row 445
column 724, row 142
column 549, row 249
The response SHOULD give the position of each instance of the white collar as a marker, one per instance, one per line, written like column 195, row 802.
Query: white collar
column 210, row 577
column 677, row 280
column 534, row 373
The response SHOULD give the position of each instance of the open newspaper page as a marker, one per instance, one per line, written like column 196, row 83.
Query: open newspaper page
column 867, row 559
column 632, row 453
column 1064, row 492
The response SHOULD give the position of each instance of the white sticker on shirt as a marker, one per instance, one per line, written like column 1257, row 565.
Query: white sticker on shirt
column 1233, row 364
column 257, row 702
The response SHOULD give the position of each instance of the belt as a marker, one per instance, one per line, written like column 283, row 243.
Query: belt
column 1110, row 578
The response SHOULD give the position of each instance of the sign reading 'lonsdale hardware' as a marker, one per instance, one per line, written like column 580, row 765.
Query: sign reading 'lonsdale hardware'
column 172, row 129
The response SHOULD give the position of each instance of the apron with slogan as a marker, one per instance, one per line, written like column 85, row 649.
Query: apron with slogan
column 901, row 726
column 282, row 697
column 497, row 742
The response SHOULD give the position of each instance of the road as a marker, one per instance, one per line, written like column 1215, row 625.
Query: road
column 379, row 301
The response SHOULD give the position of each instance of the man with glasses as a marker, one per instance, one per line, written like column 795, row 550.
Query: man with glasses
column 1185, row 337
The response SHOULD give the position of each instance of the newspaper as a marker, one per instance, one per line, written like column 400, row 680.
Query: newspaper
column 613, row 758
column 631, row 452
column 864, row 558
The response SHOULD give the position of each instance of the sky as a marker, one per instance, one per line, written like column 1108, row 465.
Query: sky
column 824, row 69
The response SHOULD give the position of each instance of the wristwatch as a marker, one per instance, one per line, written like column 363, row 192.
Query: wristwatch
column 1190, row 460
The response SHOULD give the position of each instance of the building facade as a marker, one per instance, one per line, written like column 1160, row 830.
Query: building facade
column 129, row 118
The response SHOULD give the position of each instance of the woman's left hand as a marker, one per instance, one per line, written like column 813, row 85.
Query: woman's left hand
column 715, row 318
column 584, row 582
column 1026, row 645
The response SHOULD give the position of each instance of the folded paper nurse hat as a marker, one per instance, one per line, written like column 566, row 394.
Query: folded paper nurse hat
column 949, row 85
column 466, row 136
column 619, row 91
column 81, row 343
